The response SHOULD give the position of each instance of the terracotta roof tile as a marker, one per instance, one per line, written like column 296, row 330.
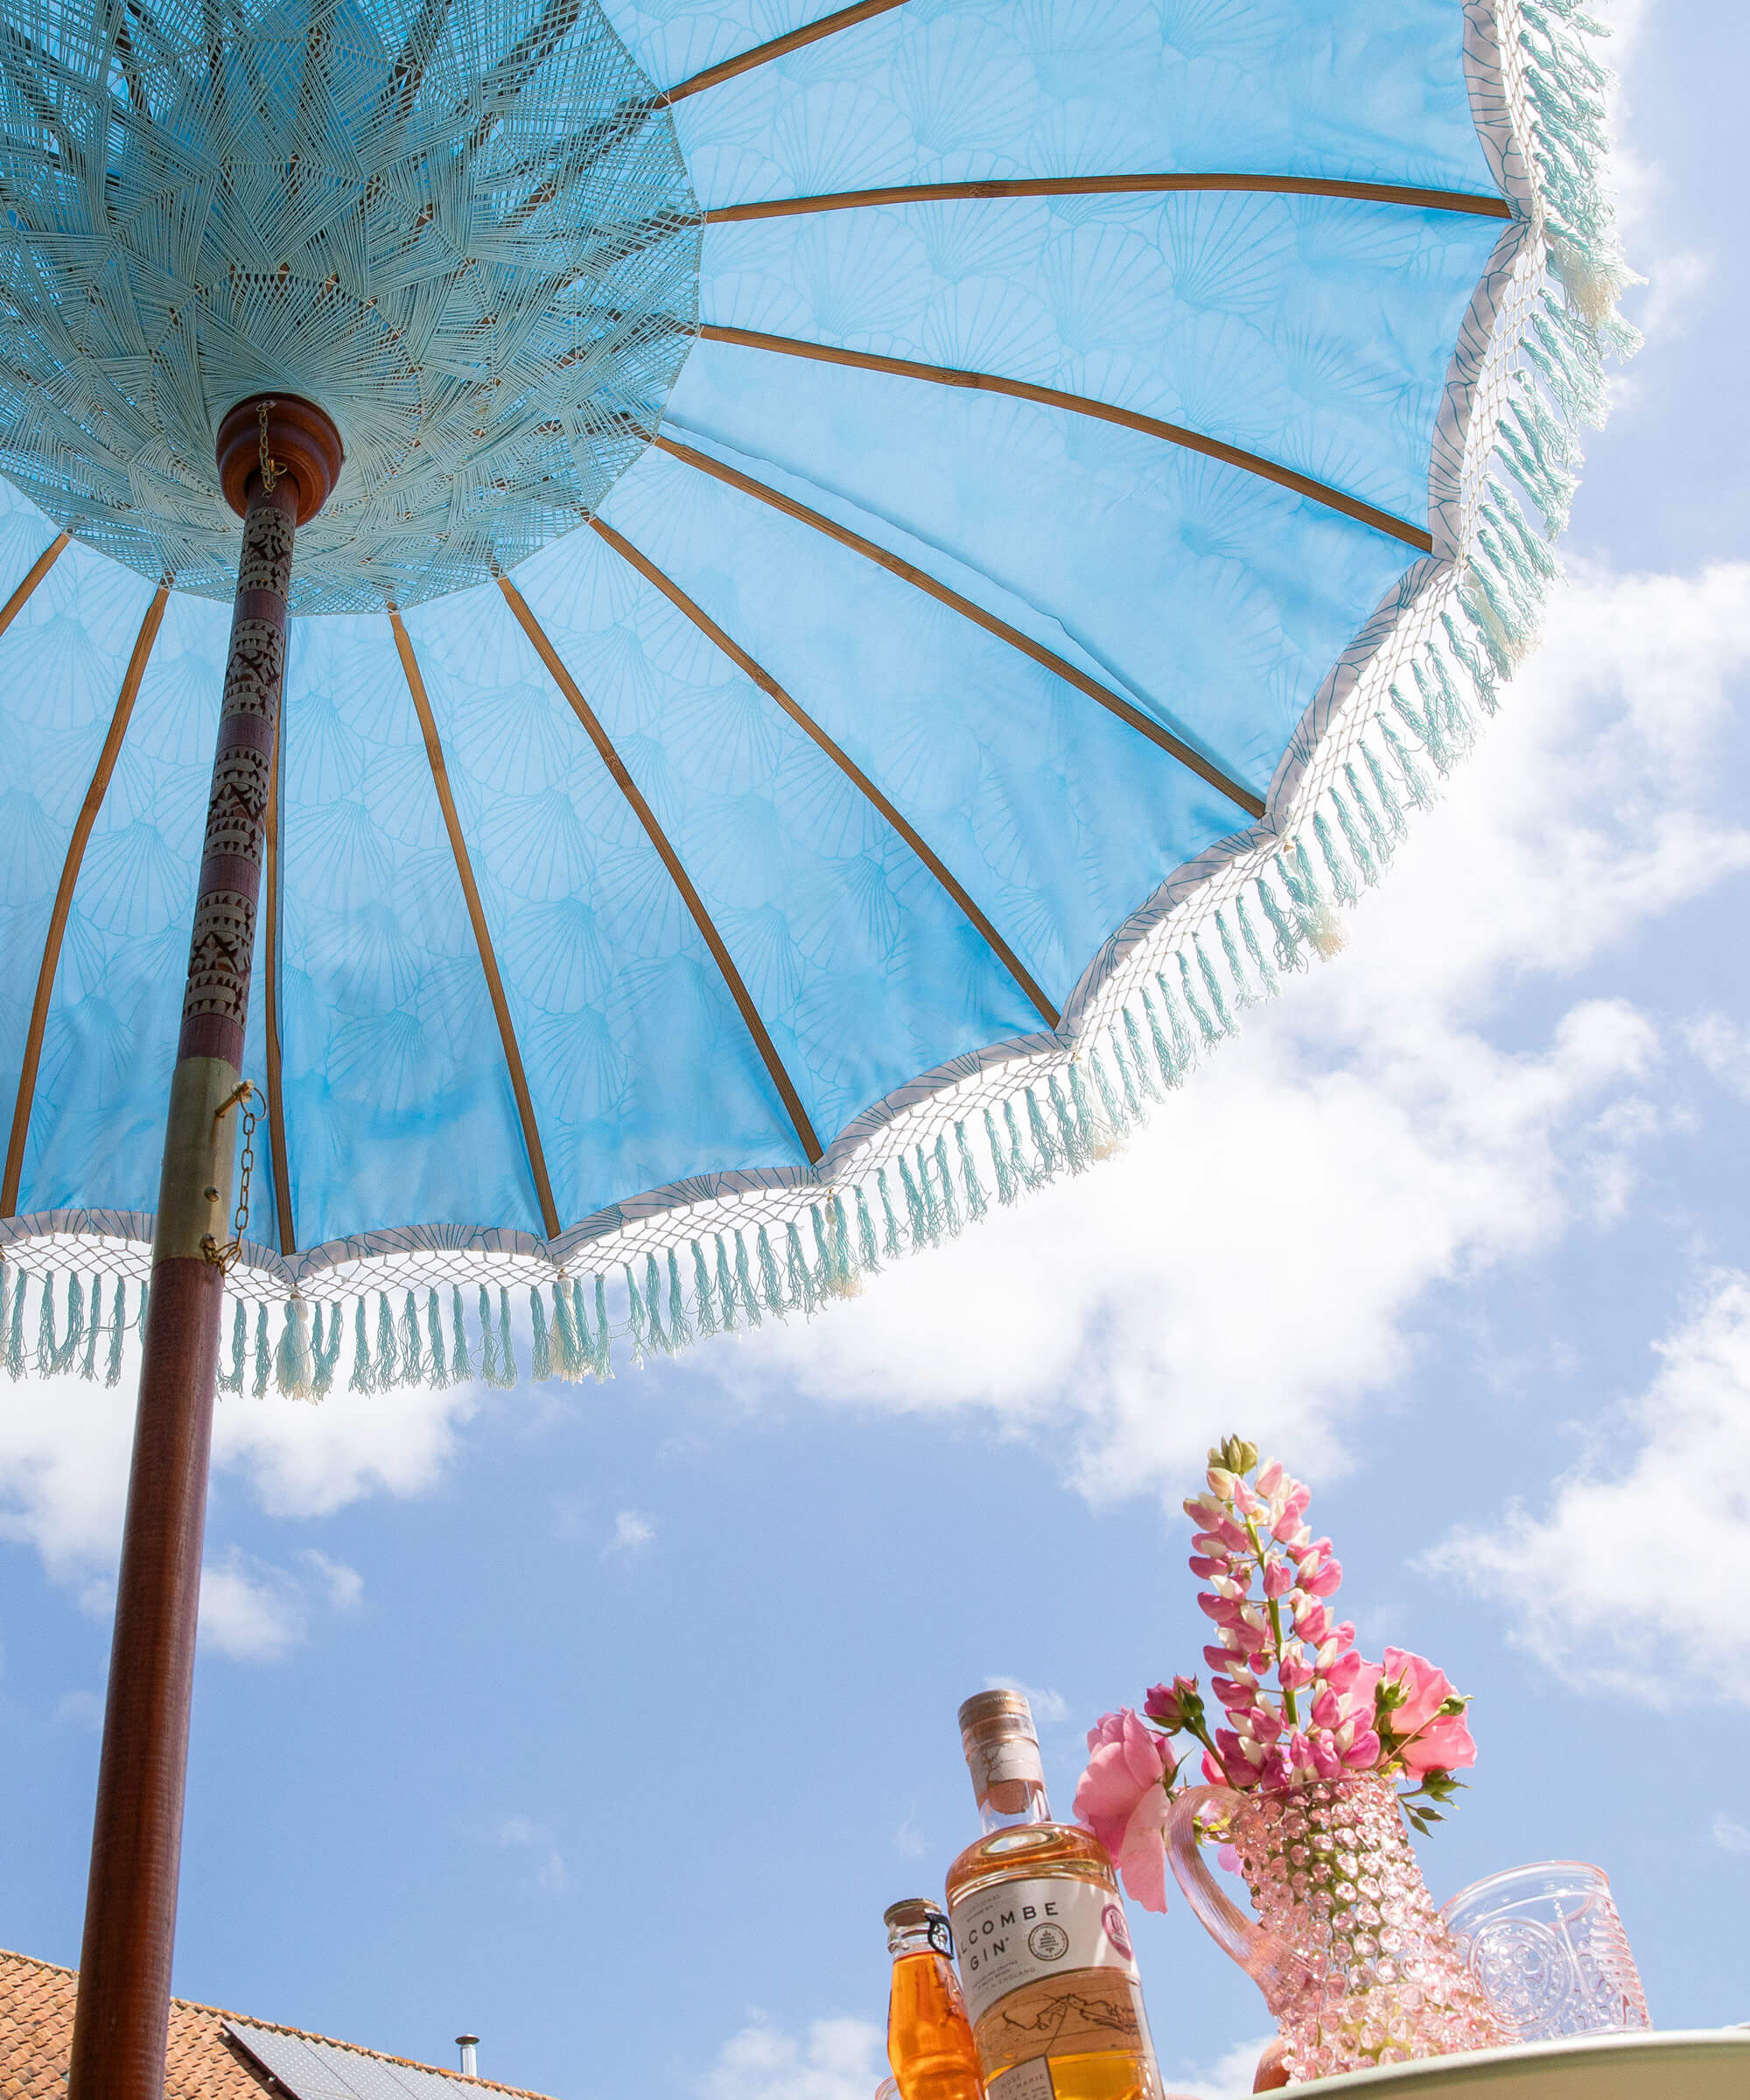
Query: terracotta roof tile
column 36, row 2033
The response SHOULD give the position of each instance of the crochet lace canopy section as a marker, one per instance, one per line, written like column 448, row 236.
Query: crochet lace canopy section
column 465, row 230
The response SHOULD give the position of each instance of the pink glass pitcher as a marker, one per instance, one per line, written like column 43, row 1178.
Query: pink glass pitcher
column 1346, row 1946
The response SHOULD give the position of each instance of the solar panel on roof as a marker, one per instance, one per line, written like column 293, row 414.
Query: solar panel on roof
column 309, row 2069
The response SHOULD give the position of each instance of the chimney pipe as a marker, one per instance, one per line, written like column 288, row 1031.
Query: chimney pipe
column 467, row 2044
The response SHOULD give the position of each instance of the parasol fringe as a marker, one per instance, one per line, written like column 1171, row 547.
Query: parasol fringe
column 801, row 1295
column 434, row 1340
column 1147, row 1080
column 1048, row 1154
column 1020, row 1170
column 1133, row 1095
column 915, row 1213
column 264, row 1367
column 890, row 1246
column 567, row 1356
column 407, row 1334
column 48, row 1351
column 1111, row 1112
column 1008, row 1187
column 460, row 1367
column 506, row 1353
column 771, row 1286
column 977, row 1204
column 387, row 1368
column 489, row 1365
column 1225, row 1024
column 866, row 1228
column 5, row 1314
column 118, row 1325
column 1384, row 793
column 1382, row 840
column 1069, row 1135
column 634, row 1314
column 360, row 1380
column 1360, row 853
column 848, row 1271
column 294, row 1367
column 653, row 1307
column 601, row 1356
column 725, row 1287
column 15, row 1334
column 327, row 1352
column 705, row 1314
column 1187, row 991
column 749, row 1304
column 87, row 1367
column 231, row 1381
column 541, row 1349
column 950, row 1202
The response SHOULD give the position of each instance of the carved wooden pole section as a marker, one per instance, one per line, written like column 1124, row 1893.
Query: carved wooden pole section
column 123, row 2006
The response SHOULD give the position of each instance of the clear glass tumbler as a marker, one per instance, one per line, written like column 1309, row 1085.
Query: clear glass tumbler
column 1546, row 1946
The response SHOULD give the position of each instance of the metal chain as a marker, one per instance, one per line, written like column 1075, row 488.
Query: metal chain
column 271, row 469
column 224, row 1256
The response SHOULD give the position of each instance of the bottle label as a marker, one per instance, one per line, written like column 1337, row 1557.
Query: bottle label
column 1047, row 1970
column 1009, row 1758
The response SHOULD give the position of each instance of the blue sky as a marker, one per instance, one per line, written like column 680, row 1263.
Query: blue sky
column 604, row 1722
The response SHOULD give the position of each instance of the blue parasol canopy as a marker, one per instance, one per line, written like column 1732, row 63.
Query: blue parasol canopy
column 894, row 568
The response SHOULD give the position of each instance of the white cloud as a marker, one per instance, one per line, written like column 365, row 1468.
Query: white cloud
column 1264, row 1256
column 1729, row 1834
column 1047, row 1706
column 1230, row 2077
column 250, row 1614
column 344, row 1586
column 1723, row 1048
column 632, row 1533
column 1602, row 1586
column 550, row 1875
column 307, row 1461
column 836, row 2060
column 80, row 1709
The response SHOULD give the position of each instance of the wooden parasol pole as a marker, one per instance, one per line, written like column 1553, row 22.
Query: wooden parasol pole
column 277, row 463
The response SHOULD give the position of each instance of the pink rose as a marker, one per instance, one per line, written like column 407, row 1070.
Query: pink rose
column 1122, row 1798
column 1427, row 1740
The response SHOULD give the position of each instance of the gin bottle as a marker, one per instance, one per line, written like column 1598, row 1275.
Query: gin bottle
column 1045, row 1962
column 930, row 2043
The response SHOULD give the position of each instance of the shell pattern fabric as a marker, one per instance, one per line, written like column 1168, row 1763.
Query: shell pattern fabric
column 1108, row 465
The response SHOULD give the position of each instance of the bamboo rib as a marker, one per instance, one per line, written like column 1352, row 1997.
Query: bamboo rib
column 1060, row 666
column 1112, row 185
column 282, row 1173
column 1081, row 404
column 69, row 879
column 33, row 575
column 847, row 766
column 477, row 918
column 671, row 860
column 762, row 54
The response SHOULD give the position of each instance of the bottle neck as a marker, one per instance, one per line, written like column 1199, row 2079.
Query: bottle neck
column 1011, row 1801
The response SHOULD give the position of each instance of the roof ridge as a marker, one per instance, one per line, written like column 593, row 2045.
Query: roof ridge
column 275, row 2026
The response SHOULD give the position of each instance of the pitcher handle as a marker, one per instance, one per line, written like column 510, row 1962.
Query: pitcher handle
column 1264, row 1956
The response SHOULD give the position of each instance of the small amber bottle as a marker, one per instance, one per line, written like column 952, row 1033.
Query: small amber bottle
column 929, row 2042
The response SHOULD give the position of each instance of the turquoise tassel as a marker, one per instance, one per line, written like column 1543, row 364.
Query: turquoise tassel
column 1289, row 935
column 1165, row 1063
column 1047, row 1150
column 704, row 1313
column 803, row 1298
column 726, row 1288
column 1075, row 1151
column 434, row 1336
column 568, row 1355
column 1134, row 1111
column 541, row 1354
column 771, row 1286
column 943, row 1181
column 285, row 1357
column 653, row 1306
column 680, row 1335
column 843, row 1251
column 977, row 1204
column 506, row 1355
column 1383, row 794
column 1146, row 1080
column 1267, row 977
column 327, row 1352
column 1206, row 1027
column 865, row 1233
column 890, row 1246
column 15, row 1334
column 361, row 1380
column 48, row 1350
column 1379, row 839
column 749, row 1304
column 1087, row 1128
column 1117, row 1116
column 118, row 1322
column 602, row 1348
column 489, row 1365
column 264, row 1367
column 1237, row 975
column 460, row 1368
column 408, row 1336
column 5, row 1299
column 1360, row 854
column 1212, row 985
column 1027, row 1175
column 1342, row 883
column 87, row 1369
column 1001, row 1165
column 915, row 1211
column 1184, row 1056
column 231, row 1381
column 388, row 1367
column 635, row 1318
